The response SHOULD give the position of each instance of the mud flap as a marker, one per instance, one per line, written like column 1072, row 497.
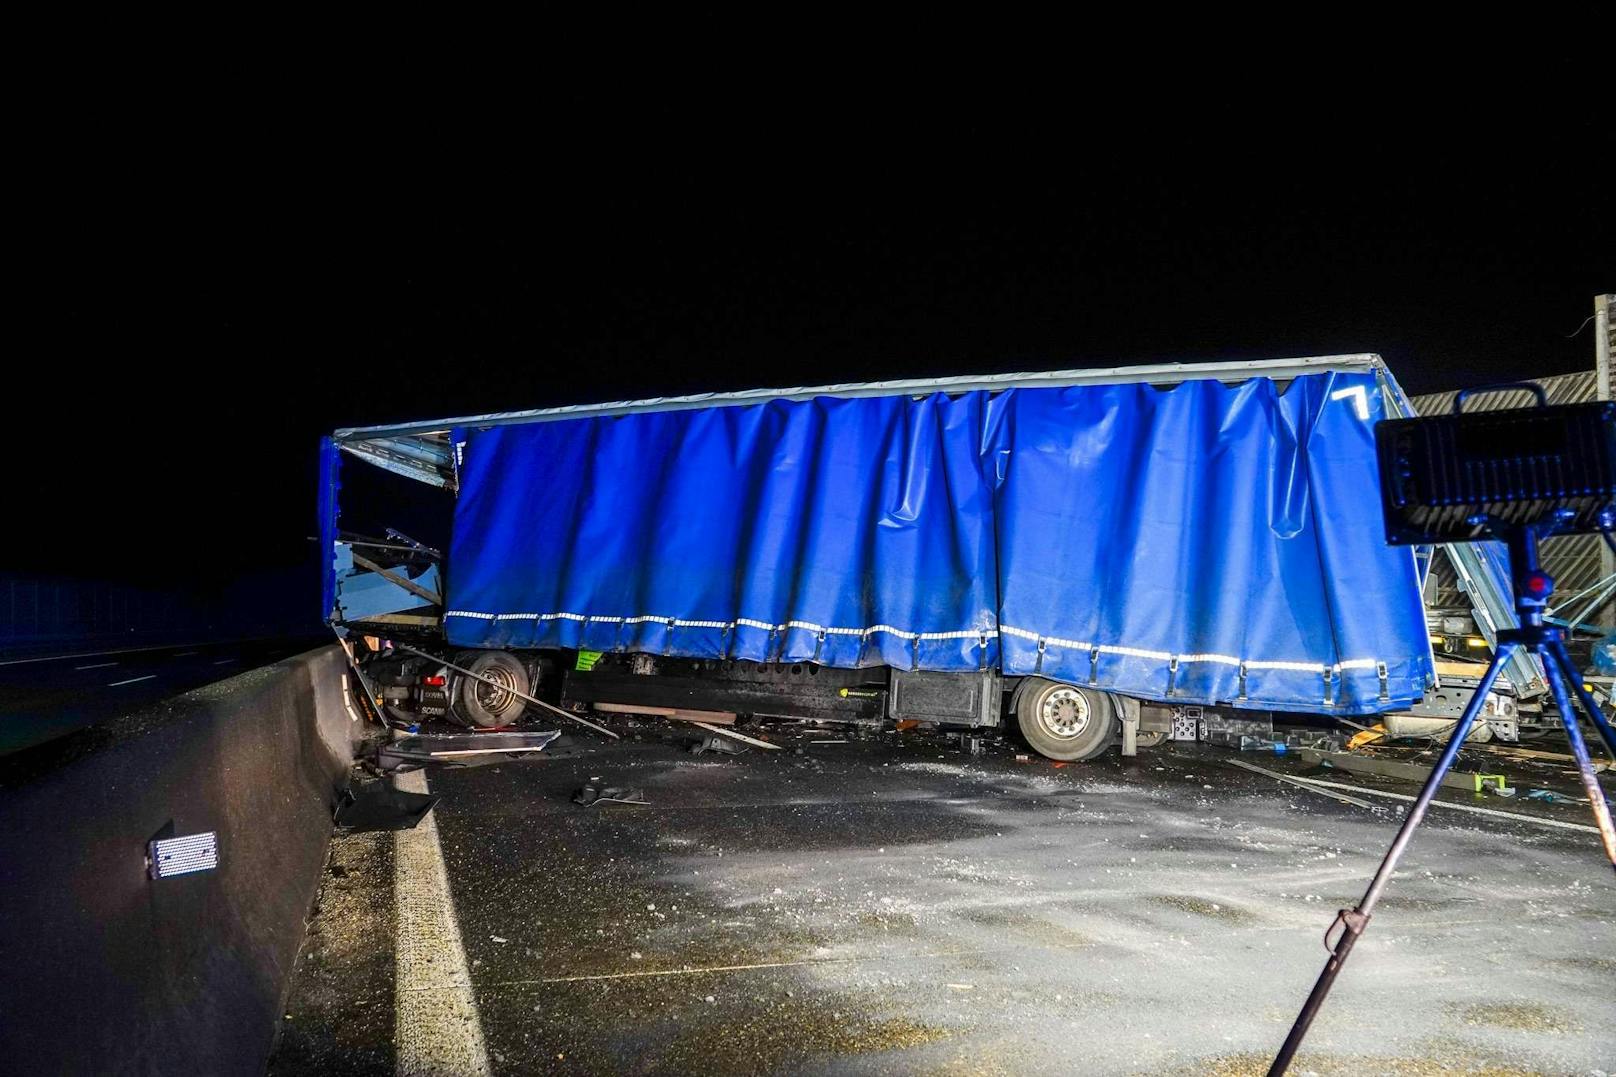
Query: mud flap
column 1128, row 715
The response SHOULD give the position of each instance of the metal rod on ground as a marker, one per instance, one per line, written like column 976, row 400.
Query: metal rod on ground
column 742, row 737
column 1353, row 921
column 1342, row 797
column 1469, row 809
column 512, row 691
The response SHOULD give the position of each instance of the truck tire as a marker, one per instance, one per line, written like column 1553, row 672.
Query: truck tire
column 481, row 705
column 1063, row 721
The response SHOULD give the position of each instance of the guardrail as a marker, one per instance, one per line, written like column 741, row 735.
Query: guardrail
column 111, row 970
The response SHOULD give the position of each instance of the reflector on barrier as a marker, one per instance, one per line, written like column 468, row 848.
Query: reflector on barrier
column 182, row 856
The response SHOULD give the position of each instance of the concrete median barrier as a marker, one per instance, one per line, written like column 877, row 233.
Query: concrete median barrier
column 110, row 971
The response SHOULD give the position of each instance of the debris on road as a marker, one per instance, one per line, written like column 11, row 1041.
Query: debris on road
column 1366, row 737
column 589, row 796
column 1358, row 763
column 1549, row 796
column 460, row 749
column 719, row 745
column 379, row 806
column 1303, row 784
column 742, row 737
column 678, row 714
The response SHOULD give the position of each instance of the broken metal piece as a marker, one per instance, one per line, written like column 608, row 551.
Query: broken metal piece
column 381, row 806
column 1303, row 784
column 590, row 795
column 721, row 745
column 461, row 749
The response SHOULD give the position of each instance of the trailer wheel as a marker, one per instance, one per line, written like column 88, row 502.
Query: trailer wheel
column 1063, row 721
column 483, row 705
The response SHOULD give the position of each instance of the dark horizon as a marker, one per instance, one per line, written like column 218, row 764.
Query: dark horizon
column 195, row 352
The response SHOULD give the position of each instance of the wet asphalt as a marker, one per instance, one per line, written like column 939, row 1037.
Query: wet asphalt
column 894, row 905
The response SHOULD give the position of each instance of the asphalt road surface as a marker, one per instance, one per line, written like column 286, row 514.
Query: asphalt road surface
column 893, row 905
column 42, row 699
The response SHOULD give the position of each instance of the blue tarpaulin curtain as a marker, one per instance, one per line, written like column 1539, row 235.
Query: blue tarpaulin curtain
column 1201, row 543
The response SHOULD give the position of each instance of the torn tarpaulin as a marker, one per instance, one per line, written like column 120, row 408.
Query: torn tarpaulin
column 461, row 749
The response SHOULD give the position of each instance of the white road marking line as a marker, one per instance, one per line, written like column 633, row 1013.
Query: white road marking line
column 226, row 661
column 438, row 1030
column 184, row 654
column 98, row 665
column 132, row 680
column 98, row 654
column 1512, row 815
column 638, row 974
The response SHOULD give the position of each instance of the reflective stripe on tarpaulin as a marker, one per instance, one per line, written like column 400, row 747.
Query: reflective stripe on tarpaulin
column 1206, row 520
column 753, row 525
column 1222, row 544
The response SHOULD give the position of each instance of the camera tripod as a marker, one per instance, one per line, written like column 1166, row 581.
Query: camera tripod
column 1533, row 588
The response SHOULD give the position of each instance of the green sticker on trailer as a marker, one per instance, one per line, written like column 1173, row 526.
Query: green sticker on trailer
column 587, row 660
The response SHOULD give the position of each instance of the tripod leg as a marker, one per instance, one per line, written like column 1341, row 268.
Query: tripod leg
column 1559, row 654
column 1585, row 767
column 1353, row 921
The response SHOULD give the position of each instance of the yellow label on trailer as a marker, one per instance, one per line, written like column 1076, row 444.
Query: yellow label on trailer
column 587, row 660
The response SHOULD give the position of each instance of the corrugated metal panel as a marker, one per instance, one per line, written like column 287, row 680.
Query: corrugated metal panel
column 1578, row 388
column 1573, row 560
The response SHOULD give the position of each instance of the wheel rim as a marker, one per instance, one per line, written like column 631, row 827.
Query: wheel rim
column 495, row 699
column 1064, row 712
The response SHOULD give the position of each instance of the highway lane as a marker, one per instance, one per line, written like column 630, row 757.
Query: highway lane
column 894, row 905
column 44, row 698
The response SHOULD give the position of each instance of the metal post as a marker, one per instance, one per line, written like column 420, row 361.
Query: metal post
column 1602, row 305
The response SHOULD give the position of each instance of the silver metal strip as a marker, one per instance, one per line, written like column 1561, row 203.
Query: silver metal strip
column 1158, row 374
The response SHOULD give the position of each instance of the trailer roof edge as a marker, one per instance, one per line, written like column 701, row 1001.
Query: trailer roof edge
column 1158, row 374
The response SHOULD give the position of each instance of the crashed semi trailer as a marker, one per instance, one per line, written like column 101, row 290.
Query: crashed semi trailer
column 1091, row 552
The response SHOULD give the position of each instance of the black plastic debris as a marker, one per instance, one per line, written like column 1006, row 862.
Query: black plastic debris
column 461, row 749
column 379, row 806
column 591, row 795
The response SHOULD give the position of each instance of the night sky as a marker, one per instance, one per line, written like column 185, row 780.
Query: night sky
column 200, row 332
